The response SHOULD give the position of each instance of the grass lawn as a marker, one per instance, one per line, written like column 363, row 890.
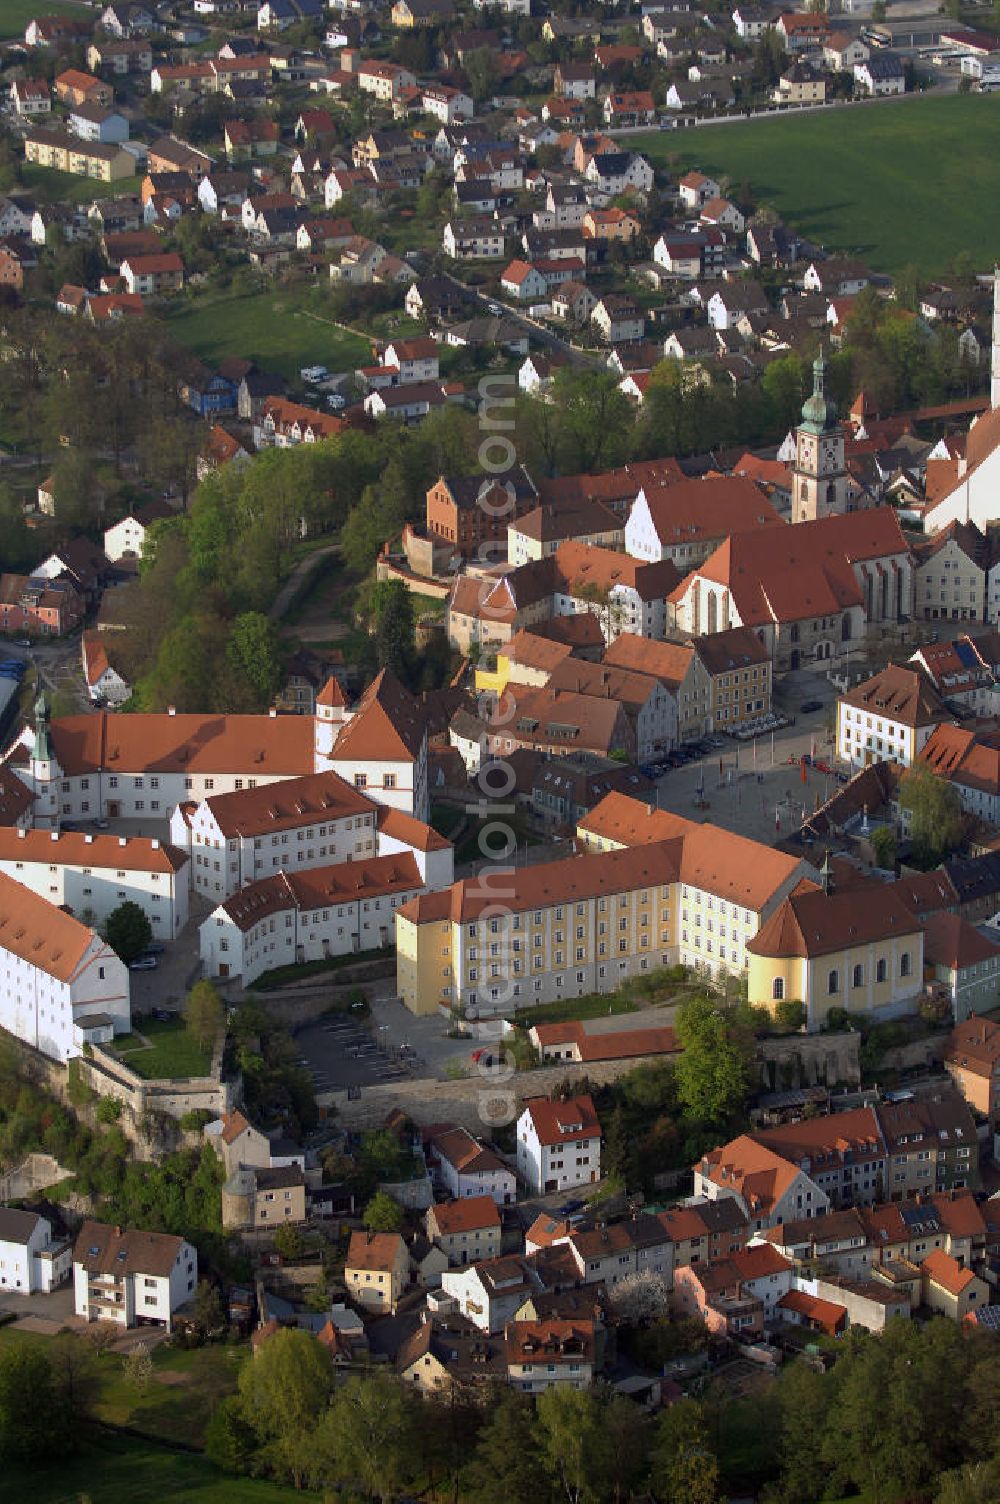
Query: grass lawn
column 281, row 328
column 125, row 1470
column 596, row 1005
column 280, row 976
column 174, row 1052
column 15, row 14
column 877, row 181
column 187, row 1385
column 67, row 187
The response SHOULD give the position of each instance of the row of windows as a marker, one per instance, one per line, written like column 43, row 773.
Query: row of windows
column 857, row 977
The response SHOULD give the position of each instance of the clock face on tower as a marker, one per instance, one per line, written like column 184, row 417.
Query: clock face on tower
column 830, row 457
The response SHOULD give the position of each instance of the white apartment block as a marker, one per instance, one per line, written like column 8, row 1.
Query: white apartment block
column 132, row 1278
column 31, row 1260
column 92, row 874
column 61, row 985
column 384, row 80
column 239, row 838
column 889, row 717
column 558, row 1144
column 132, row 767
column 307, row 916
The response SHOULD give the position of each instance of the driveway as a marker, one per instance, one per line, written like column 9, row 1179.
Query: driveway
column 177, row 970
column 54, row 1310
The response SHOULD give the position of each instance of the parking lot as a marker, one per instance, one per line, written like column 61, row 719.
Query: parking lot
column 340, row 1052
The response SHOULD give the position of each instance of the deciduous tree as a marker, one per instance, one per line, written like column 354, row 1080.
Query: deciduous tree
column 382, row 1214
column 284, row 1392
column 204, row 1014
column 935, row 814
column 128, row 930
column 713, row 1069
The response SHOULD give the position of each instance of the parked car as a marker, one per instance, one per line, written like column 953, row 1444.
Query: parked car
column 314, row 374
column 102, row 824
column 808, row 706
column 154, row 948
column 161, row 1015
column 143, row 963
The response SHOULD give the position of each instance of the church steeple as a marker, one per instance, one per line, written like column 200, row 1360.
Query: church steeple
column 41, row 747
column 819, row 487
column 819, row 412
column 43, row 772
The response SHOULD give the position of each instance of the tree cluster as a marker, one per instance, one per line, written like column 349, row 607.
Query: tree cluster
column 179, row 1194
column 663, row 1115
column 862, row 1426
column 276, row 1089
column 936, row 819
column 378, row 1440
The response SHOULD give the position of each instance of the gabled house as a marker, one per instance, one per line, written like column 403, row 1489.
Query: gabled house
column 736, row 1295
column 618, row 318
column 131, row 1278
column 541, row 1354
column 523, row 282
column 558, row 1144
column 376, row 1271
column 32, row 1258
column 466, row 1168
column 467, row 1230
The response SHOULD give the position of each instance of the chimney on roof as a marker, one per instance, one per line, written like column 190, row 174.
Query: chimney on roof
column 123, row 840
column 155, row 844
column 171, row 710
column 21, row 833
column 273, row 712
column 826, row 874
column 88, row 840
column 53, row 835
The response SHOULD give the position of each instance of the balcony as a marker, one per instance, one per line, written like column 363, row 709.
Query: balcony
column 102, row 1297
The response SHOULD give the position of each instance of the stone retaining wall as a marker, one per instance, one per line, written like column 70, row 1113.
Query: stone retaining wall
column 477, row 1103
column 105, row 1074
column 810, row 1060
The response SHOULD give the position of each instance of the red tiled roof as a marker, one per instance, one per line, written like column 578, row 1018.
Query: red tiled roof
column 975, row 1045
column 319, row 887
column 466, row 1215
column 947, row 1272
column 562, row 1122
column 376, row 1251
column 829, row 1317
column 36, row 931
column 812, row 923
column 950, row 941
column 811, row 575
